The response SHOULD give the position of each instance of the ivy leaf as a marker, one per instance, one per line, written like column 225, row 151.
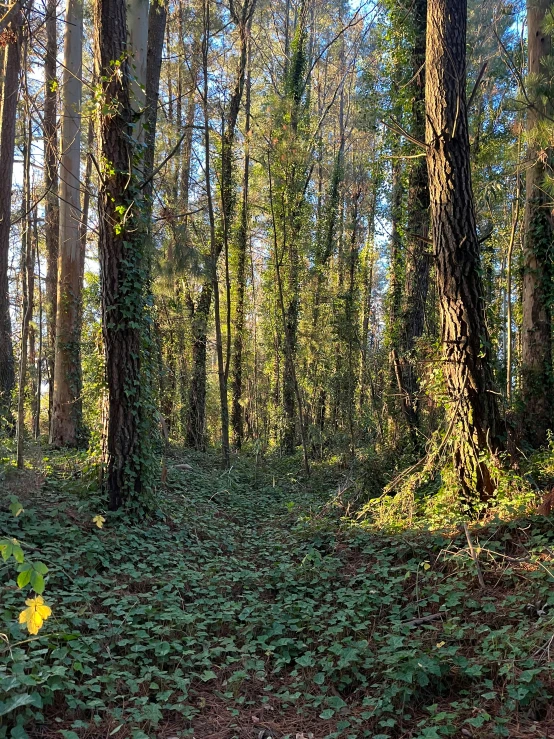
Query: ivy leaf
column 16, row 508
column 327, row 713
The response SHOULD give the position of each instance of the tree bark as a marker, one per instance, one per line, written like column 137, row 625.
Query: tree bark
column 237, row 416
column 12, row 66
column 538, row 271
column 51, row 205
column 120, row 246
column 67, row 421
column 466, row 347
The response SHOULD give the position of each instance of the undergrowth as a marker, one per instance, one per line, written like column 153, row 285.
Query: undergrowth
column 249, row 601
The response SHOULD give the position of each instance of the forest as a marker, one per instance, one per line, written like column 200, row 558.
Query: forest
column 276, row 369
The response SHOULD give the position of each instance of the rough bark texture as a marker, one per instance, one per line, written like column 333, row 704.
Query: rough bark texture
column 120, row 259
column 12, row 65
column 536, row 330
column 467, row 369
column 51, row 204
column 66, row 427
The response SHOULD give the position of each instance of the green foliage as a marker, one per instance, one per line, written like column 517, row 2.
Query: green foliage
column 247, row 586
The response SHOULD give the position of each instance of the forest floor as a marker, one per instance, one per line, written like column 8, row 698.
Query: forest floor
column 249, row 607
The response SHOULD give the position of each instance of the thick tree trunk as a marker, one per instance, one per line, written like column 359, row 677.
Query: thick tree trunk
column 51, row 205
column 466, row 354
column 120, row 247
column 66, row 427
column 12, row 66
column 538, row 271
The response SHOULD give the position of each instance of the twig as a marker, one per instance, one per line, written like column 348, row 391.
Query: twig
column 422, row 620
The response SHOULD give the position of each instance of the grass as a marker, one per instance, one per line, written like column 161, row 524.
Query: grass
column 247, row 603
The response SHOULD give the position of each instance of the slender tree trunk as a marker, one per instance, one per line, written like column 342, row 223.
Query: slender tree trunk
column 237, row 416
column 418, row 256
column 38, row 401
column 511, row 244
column 66, row 427
column 51, row 205
column 242, row 17
column 156, row 32
column 196, row 417
column 538, row 272
column 28, row 282
column 12, row 66
column 86, row 201
column 466, row 354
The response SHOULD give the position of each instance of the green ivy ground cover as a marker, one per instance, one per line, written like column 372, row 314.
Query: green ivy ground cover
column 244, row 605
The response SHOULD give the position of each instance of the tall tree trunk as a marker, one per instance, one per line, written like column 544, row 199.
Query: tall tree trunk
column 538, row 272
column 466, row 354
column 156, row 32
column 51, row 206
column 418, row 256
column 28, row 286
column 121, row 247
column 12, row 66
column 242, row 17
column 66, row 427
column 196, row 416
column 237, row 416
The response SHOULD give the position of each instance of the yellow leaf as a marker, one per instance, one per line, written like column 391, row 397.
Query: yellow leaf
column 99, row 521
column 34, row 616
column 426, row 566
column 440, row 644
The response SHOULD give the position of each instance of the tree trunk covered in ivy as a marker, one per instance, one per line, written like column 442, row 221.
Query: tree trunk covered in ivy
column 466, row 346
column 12, row 66
column 538, row 269
column 120, row 246
column 418, row 257
column 237, row 415
column 51, row 203
column 196, row 417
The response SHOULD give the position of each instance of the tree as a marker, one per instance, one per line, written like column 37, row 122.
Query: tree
column 538, row 270
column 466, row 347
column 66, row 429
column 418, row 257
column 51, row 204
column 11, row 70
column 121, row 252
